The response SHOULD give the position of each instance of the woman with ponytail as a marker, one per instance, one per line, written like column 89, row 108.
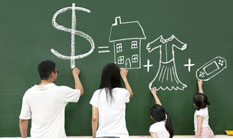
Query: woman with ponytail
column 109, row 104
column 162, row 128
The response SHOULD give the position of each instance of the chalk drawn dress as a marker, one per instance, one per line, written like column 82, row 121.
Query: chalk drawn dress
column 166, row 77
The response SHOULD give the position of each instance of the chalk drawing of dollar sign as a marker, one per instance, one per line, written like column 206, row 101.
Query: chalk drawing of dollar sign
column 73, row 32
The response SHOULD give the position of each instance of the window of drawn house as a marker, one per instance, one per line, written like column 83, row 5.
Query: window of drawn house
column 121, row 60
column 119, row 47
column 134, row 45
column 135, row 58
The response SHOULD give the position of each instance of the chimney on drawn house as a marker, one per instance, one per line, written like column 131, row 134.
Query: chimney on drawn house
column 117, row 20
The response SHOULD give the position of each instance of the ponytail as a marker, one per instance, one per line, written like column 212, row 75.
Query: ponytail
column 158, row 113
column 168, row 125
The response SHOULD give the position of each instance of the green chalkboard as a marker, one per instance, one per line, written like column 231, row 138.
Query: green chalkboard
column 127, row 32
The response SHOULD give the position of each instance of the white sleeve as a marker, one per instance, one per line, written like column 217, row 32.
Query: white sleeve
column 95, row 99
column 70, row 94
column 200, row 112
column 127, row 96
column 25, row 113
column 153, row 128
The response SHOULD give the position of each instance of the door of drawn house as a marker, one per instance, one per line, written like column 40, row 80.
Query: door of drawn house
column 127, row 63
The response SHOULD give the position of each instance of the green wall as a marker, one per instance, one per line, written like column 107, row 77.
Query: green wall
column 27, row 35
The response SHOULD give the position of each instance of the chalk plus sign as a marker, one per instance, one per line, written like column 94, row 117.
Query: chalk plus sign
column 148, row 65
column 189, row 65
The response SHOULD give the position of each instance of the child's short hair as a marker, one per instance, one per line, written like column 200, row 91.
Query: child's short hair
column 200, row 100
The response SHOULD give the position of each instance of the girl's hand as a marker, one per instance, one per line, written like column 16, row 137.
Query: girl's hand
column 124, row 73
column 199, row 82
column 153, row 91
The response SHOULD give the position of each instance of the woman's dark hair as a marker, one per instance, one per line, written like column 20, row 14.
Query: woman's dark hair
column 158, row 113
column 45, row 68
column 110, row 78
column 200, row 100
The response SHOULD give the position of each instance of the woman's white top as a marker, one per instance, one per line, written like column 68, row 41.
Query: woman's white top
column 111, row 112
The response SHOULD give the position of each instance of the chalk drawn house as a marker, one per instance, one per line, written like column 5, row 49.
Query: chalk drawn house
column 126, row 38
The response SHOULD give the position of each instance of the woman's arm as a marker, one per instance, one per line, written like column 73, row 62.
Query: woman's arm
column 124, row 73
column 154, row 93
column 199, row 82
column 95, row 120
column 199, row 126
column 153, row 135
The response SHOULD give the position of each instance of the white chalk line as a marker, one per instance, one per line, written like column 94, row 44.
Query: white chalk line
column 163, row 72
column 103, row 47
column 124, row 39
column 218, row 66
column 73, row 31
column 104, row 51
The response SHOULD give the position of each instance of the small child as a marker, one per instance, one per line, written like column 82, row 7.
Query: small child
column 162, row 128
column 201, row 116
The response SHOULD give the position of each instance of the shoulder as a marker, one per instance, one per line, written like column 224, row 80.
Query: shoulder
column 30, row 90
column 96, row 93
column 122, row 90
column 95, row 98
column 157, row 126
column 64, row 89
column 202, row 111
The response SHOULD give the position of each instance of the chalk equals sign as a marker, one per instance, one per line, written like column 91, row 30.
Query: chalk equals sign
column 103, row 49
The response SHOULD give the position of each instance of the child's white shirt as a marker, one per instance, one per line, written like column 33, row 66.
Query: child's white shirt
column 205, row 114
column 159, row 129
column 111, row 113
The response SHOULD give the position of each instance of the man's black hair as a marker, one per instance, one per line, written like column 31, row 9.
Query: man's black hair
column 45, row 68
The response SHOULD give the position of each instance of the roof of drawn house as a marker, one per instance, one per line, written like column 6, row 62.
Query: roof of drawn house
column 126, row 30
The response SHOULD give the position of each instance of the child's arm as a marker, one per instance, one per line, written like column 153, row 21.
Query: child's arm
column 199, row 126
column 124, row 73
column 95, row 120
column 154, row 93
column 199, row 82
column 153, row 135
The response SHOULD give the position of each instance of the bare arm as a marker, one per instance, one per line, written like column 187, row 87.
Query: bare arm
column 199, row 126
column 78, row 84
column 124, row 73
column 95, row 120
column 199, row 82
column 153, row 135
column 154, row 93
column 23, row 126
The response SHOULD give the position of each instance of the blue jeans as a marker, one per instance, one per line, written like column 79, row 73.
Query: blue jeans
column 108, row 137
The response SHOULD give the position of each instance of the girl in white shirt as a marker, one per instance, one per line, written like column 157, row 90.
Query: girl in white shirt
column 109, row 104
column 201, row 116
column 162, row 128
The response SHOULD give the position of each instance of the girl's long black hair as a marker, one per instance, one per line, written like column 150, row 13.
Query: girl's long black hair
column 158, row 113
column 110, row 79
